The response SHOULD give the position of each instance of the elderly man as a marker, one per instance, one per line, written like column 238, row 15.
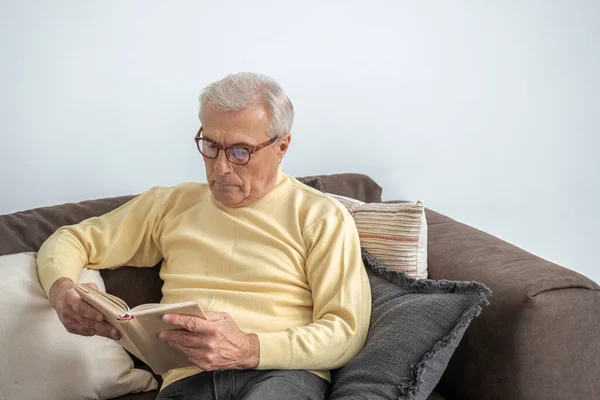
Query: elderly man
column 277, row 263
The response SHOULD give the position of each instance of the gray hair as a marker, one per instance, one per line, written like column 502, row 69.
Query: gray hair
column 237, row 92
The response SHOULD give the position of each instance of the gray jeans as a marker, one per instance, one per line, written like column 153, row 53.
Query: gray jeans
column 248, row 384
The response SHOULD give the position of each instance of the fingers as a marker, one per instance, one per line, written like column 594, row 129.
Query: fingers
column 173, row 337
column 214, row 344
column 85, row 310
column 88, row 327
column 185, row 338
column 80, row 318
column 187, row 322
column 78, row 324
column 200, row 357
column 91, row 284
column 180, row 347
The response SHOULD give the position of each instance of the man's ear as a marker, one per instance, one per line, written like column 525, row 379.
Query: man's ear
column 283, row 144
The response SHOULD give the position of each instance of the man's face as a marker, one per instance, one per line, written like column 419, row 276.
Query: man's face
column 240, row 185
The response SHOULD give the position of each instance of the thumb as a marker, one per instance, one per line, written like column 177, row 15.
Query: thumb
column 93, row 285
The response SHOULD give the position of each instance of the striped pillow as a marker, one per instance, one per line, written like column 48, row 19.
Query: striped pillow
column 395, row 233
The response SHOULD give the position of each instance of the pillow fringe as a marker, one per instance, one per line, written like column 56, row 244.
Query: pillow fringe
column 419, row 369
column 427, row 285
column 409, row 386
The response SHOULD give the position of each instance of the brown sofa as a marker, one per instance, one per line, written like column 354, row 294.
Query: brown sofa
column 538, row 339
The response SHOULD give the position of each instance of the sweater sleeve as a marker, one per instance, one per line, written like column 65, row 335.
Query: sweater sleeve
column 124, row 236
column 341, row 298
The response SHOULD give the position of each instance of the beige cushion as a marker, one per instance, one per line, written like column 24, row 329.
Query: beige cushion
column 40, row 359
column 395, row 233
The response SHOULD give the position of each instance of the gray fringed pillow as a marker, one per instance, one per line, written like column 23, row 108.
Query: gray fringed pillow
column 415, row 327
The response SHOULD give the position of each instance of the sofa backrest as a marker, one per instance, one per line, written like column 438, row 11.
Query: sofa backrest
column 27, row 230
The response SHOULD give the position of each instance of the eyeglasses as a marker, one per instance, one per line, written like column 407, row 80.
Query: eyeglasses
column 238, row 154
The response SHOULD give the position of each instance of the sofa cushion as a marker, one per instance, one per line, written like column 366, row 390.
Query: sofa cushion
column 415, row 327
column 314, row 183
column 394, row 233
column 356, row 186
column 40, row 359
column 27, row 230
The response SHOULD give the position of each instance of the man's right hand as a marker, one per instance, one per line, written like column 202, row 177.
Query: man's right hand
column 75, row 314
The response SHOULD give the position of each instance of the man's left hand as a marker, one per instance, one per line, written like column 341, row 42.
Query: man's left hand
column 213, row 344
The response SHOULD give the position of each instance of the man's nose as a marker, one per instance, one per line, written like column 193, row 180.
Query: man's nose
column 222, row 164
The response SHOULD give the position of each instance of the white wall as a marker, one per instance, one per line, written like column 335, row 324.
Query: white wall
column 487, row 111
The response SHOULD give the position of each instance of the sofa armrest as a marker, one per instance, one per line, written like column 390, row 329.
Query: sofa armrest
column 540, row 336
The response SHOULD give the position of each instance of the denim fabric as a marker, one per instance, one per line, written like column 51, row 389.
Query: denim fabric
column 248, row 385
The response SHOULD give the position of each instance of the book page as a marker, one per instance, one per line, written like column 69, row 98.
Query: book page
column 158, row 354
column 112, row 312
column 146, row 306
column 153, row 308
column 107, row 307
column 103, row 299
column 139, row 331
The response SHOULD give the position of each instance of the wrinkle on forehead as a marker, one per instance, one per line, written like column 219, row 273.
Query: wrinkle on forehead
column 249, row 126
column 229, row 138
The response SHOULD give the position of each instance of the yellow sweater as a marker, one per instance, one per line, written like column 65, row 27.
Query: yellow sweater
column 287, row 267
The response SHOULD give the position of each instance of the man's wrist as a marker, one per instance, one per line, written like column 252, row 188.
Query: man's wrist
column 253, row 351
column 57, row 287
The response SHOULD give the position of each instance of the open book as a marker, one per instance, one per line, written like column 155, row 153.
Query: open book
column 139, row 327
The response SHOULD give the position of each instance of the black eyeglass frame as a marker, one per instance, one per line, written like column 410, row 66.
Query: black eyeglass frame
column 229, row 155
